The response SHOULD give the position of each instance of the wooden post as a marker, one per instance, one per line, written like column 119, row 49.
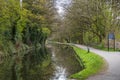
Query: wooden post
column 114, row 44
column 108, row 44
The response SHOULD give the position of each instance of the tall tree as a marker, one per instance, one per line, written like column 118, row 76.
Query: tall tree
column 89, row 21
column 27, row 25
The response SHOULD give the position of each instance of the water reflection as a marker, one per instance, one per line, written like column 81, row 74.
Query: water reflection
column 35, row 65
column 64, row 60
column 31, row 66
column 38, row 64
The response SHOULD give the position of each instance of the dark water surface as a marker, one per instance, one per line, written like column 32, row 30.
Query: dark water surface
column 56, row 63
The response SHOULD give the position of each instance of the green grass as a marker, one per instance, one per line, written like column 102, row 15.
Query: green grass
column 105, row 48
column 93, row 63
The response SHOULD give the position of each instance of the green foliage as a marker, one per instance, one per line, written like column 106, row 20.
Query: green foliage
column 89, row 21
column 46, row 31
column 93, row 63
column 27, row 25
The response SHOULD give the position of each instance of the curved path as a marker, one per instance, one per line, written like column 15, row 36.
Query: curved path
column 113, row 60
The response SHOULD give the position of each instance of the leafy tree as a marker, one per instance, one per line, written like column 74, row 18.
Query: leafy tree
column 26, row 25
column 89, row 21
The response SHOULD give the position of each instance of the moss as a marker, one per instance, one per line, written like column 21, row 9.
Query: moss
column 93, row 63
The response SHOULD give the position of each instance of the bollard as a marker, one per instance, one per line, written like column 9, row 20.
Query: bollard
column 88, row 50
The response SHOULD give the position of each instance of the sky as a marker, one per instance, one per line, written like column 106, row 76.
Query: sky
column 59, row 5
column 21, row 3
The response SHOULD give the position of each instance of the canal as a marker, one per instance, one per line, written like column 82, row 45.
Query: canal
column 57, row 62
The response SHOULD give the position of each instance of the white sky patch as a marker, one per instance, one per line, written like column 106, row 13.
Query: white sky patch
column 21, row 3
column 60, row 5
column 60, row 10
column 118, row 17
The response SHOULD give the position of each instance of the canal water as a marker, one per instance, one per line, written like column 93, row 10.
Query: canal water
column 56, row 63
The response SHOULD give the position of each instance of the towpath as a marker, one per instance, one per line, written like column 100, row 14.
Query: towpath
column 112, row 58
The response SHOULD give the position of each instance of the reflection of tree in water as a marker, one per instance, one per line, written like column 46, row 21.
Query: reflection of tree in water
column 33, row 67
column 67, row 59
column 30, row 67
column 36, row 65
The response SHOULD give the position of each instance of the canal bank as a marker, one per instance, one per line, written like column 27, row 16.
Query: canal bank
column 93, row 63
column 113, row 60
column 64, row 62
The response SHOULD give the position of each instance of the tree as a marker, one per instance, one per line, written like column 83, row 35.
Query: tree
column 89, row 21
column 28, row 25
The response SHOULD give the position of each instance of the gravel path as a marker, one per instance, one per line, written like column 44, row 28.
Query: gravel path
column 113, row 60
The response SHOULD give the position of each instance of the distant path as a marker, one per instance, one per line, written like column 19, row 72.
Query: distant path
column 113, row 60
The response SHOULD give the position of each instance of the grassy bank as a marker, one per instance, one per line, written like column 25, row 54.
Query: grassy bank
column 93, row 63
column 105, row 47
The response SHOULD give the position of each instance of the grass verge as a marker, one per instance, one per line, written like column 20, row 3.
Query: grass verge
column 93, row 63
column 102, row 47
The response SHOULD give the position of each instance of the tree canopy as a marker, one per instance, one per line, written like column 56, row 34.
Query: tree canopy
column 89, row 21
column 28, row 24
